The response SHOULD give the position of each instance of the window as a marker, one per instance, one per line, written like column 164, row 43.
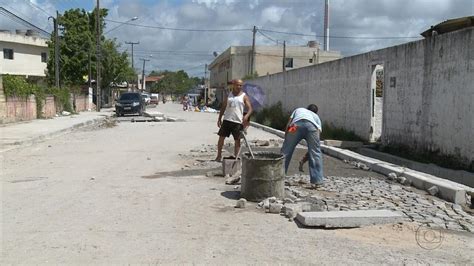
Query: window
column 288, row 62
column 44, row 57
column 311, row 60
column 8, row 53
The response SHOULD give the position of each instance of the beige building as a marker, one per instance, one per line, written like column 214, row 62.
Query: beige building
column 23, row 54
column 235, row 62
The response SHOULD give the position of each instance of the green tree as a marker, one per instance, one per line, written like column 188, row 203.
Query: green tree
column 177, row 82
column 115, row 65
column 78, row 43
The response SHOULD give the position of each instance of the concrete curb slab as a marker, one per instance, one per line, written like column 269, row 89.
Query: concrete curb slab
column 348, row 219
column 448, row 190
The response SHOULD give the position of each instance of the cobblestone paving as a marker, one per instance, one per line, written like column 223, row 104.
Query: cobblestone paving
column 362, row 192
column 368, row 193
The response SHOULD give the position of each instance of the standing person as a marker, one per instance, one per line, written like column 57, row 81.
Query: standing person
column 232, row 109
column 304, row 123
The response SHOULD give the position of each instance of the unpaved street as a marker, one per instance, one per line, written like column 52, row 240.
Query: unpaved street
column 134, row 193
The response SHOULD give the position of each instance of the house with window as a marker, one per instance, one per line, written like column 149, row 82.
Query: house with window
column 236, row 62
column 23, row 53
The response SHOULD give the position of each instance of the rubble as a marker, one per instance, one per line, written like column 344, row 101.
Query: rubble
column 232, row 180
column 241, row 203
column 433, row 190
column 392, row 176
column 275, row 207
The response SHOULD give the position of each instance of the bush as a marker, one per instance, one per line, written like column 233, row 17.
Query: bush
column 17, row 86
column 273, row 116
column 331, row 132
column 62, row 98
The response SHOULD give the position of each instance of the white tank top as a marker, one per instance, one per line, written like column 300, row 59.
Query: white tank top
column 234, row 110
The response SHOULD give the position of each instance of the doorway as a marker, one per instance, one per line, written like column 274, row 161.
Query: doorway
column 376, row 88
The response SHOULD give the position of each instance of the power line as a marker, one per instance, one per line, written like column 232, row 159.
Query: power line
column 17, row 19
column 39, row 8
column 176, row 29
column 342, row 37
column 268, row 37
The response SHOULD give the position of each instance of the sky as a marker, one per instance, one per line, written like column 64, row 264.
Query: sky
column 355, row 25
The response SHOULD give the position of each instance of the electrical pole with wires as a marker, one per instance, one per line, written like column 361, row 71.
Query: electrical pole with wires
column 143, row 73
column 97, row 81
column 56, row 49
column 252, row 60
column 133, row 65
column 284, row 56
column 205, row 85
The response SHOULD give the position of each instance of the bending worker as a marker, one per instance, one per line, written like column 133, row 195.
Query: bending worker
column 304, row 123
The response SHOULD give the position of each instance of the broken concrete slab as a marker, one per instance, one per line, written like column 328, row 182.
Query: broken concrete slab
column 153, row 113
column 348, row 219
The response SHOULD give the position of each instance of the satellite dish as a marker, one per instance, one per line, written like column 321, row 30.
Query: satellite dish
column 215, row 54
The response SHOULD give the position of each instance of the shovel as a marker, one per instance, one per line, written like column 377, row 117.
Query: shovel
column 247, row 143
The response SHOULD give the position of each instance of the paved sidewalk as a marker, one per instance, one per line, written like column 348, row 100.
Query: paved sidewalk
column 15, row 135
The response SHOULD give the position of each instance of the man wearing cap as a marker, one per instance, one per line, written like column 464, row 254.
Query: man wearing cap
column 232, row 110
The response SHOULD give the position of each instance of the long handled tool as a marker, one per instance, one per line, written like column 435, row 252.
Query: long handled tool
column 247, row 143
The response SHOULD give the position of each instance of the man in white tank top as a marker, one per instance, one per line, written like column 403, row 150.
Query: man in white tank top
column 232, row 110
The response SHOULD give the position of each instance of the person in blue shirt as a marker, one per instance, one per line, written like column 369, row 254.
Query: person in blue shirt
column 304, row 123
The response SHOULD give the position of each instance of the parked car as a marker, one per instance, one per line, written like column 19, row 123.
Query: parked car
column 130, row 103
column 146, row 98
column 154, row 100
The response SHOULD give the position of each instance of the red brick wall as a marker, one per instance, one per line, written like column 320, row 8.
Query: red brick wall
column 49, row 107
column 81, row 103
column 20, row 109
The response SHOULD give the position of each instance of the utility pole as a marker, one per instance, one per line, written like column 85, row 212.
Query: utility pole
column 143, row 73
column 132, row 43
column 56, row 49
column 252, row 60
column 205, row 85
column 133, row 65
column 90, row 71
column 97, row 81
column 284, row 55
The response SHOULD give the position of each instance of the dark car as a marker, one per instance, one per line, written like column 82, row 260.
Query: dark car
column 130, row 103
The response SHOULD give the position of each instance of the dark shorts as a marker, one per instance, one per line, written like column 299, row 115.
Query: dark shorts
column 228, row 128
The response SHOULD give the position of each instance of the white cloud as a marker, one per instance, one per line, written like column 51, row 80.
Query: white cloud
column 347, row 18
column 272, row 14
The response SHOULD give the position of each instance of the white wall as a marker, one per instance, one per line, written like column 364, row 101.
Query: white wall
column 27, row 55
column 430, row 108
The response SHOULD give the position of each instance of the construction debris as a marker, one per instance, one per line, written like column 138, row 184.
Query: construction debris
column 241, row 203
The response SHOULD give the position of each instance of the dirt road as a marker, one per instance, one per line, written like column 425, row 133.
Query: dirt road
column 87, row 197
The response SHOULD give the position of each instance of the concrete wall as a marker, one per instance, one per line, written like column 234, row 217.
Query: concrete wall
column 27, row 55
column 431, row 105
column 428, row 102
column 339, row 88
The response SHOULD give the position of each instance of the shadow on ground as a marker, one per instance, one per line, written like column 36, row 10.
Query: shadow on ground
column 182, row 173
